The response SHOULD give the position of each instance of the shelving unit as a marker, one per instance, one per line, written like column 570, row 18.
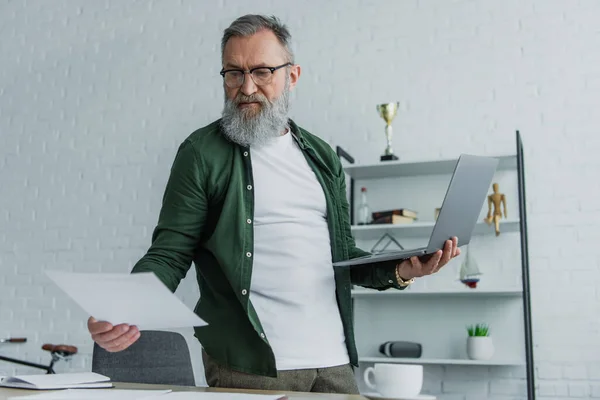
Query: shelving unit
column 393, row 169
column 439, row 293
column 419, row 229
column 448, row 309
column 438, row 361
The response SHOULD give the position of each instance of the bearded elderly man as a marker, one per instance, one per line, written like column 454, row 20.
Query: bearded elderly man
column 258, row 204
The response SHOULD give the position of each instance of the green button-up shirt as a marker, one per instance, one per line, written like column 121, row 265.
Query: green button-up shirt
column 207, row 217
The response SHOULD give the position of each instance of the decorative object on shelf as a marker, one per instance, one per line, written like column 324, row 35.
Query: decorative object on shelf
column 401, row 349
column 495, row 200
column 364, row 212
column 388, row 111
column 479, row 343
column 469, row 272
column 393, row 220
column 395, row 380
column 397, row 216
column 405, row 212
column 390, row 239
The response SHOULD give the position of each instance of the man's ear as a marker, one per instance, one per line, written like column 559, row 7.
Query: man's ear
column 295, row 71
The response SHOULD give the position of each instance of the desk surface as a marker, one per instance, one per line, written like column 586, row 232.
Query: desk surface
column 5, row 393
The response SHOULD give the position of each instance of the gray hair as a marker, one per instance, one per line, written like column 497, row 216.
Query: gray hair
column 250, row 24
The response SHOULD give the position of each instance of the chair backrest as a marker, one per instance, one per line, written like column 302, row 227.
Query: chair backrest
column 157, row 357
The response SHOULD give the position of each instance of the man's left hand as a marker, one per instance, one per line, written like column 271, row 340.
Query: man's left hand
column 416, row 267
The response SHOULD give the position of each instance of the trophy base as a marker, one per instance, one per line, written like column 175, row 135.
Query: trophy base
column 388, row 157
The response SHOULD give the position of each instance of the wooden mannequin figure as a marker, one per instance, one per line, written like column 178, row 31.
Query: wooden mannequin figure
column 495, row 200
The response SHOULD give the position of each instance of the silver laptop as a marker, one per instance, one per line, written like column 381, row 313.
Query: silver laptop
column 458, row 215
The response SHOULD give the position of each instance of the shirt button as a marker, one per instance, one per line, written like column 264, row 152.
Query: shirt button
column 249, row 221
column 391, row 281
column 245, row 154
column 249, row 187
column 262, row 335
column 248, row 254
column 244, row 292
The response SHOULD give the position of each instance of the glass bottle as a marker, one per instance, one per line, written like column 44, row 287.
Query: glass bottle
column 364, row 213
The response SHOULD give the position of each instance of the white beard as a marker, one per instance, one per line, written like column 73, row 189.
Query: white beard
column 250, row 128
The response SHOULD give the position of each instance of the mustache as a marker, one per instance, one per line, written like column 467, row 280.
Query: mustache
column 253, row 98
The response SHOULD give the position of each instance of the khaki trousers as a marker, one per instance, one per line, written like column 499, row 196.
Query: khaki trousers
column 338, row 379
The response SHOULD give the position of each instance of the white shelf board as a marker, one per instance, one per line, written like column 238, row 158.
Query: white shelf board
column 419, row 229
column 387, row 169
column 464, row 293
column 439, row 361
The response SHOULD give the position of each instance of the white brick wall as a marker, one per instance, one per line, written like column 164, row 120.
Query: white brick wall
column 95, row 97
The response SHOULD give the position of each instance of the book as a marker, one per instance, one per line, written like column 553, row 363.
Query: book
column 128, row 394
column 94, row 394
column 393, row 219
column 82, row 380
column 405, row 212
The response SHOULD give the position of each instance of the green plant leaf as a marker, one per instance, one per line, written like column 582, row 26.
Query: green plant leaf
column 478, row 330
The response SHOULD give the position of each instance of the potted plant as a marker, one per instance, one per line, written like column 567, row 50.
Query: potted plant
column 479, row 343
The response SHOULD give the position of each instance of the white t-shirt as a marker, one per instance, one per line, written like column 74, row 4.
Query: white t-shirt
column 292, row 286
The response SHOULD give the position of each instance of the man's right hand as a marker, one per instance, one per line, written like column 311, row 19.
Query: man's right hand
column 112, row 338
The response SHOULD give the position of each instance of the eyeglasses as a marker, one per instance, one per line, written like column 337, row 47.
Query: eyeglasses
column 234, row 78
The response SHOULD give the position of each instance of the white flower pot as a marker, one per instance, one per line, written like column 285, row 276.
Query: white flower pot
column 480, row 347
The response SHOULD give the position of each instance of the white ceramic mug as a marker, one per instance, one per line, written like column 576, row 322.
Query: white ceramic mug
column 395, row 380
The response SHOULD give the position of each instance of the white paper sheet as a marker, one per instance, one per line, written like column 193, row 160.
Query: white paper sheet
column 95, row 394
column 219, row 396
column 139, row 299
column 57, row 381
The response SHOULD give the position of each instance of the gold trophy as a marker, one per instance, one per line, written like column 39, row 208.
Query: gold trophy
column 388, row 111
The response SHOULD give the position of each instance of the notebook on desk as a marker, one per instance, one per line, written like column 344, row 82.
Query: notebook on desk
column 458, row 215
column 128, row 394
column 83, row 380
column 94, row 394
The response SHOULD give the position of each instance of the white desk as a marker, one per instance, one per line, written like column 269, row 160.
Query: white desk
column 5, row 393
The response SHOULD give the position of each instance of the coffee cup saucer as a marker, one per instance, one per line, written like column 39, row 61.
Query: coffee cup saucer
column 377, row 396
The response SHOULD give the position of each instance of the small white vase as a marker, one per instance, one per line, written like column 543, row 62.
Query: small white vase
column 480, row 347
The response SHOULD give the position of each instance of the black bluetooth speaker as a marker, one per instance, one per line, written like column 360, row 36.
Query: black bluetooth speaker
column 401, row 349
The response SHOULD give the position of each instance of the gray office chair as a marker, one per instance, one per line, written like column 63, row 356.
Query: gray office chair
column 157, row 357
